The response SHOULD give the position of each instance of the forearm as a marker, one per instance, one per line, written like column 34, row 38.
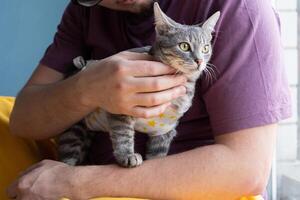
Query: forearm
column 211, row 172
column 43, row 111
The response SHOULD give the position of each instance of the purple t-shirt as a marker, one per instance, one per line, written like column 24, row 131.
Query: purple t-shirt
column 251, row 89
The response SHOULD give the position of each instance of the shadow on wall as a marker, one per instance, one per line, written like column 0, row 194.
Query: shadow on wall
column 27, row 28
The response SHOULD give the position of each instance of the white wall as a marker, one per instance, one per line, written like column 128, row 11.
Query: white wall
column 288, row 142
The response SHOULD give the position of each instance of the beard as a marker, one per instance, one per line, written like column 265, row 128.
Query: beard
column 145, row 9
column 139, row 7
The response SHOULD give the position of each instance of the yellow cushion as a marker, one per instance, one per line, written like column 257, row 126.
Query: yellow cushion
column 110, row 198
column 243, row 198
column 17, row 154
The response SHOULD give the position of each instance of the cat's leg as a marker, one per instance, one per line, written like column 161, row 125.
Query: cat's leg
column 158, row 146
column 73, row 145
column 122, row 137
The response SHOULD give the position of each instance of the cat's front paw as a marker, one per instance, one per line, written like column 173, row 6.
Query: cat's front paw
column 131, row 160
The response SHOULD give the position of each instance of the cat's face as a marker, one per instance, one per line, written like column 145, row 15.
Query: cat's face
column 186, row 48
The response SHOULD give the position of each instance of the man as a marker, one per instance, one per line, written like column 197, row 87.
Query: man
column 225, row 141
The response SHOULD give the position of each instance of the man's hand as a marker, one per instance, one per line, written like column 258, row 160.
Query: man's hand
column 238, row 164
column 48, row 179
column 132, row 84
column 125, row 83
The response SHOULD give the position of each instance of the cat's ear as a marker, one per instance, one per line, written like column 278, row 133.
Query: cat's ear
column 210, row 24
column 162, row 21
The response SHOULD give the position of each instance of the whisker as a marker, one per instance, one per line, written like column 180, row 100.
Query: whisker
column 213, row 66
column 212, row 72
column 210, row 79
column 208, row 76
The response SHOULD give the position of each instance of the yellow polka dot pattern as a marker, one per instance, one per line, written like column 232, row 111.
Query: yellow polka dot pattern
column 158, row 125
column 151, row 123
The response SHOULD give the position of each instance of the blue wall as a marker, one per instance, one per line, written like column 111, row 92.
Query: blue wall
column 26, row 29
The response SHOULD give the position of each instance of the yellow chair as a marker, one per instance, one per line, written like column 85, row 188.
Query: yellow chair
column 17, row 154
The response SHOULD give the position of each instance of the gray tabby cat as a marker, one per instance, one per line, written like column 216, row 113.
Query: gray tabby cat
column 187, row 49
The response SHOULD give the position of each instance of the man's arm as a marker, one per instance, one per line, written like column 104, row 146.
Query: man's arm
column 47, row 105
column 237, row 165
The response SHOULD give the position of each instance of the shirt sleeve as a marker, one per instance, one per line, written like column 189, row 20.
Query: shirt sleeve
column 68, row 41
column 251, row 89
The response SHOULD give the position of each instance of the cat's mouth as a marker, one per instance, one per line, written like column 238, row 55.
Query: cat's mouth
column 195, row 67
column 188, row 69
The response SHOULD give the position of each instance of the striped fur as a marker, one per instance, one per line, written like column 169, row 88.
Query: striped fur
column 74, row 143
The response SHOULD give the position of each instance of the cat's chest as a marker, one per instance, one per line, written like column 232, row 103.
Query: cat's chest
column 159, row 125
column 162, row 124
column 97, row 121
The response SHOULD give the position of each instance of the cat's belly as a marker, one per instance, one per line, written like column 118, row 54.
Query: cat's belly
column 158, row 125
column 97, row 121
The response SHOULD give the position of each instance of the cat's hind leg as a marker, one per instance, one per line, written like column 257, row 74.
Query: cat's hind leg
column 122, row 137
column 158, row 146
column 73, row 145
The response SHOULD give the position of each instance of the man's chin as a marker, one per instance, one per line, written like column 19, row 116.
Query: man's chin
column 127, row 2
column 143, row 7
column 140, row 7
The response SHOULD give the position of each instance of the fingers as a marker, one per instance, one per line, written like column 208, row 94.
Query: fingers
column 144, row 112
column 158, row 98
column 136, row 56
column 143, row 65
column 13, row 190
column 24, row 181
column 144, row 68
column 22, row 184
column 155, row 84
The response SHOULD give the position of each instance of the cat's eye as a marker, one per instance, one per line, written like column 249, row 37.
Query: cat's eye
column 205, row 49
column 184, row 46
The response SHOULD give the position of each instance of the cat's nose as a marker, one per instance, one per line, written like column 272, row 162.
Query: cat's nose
column 198, row 61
